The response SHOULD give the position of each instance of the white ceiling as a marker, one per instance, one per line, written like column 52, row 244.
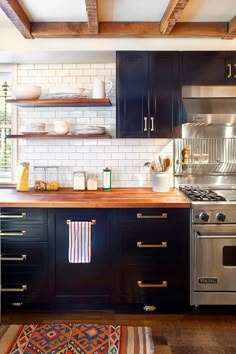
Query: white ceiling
column 54, row 10
column 209, row 11
column 15, row 49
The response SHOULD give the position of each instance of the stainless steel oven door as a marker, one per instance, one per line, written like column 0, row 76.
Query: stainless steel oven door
column 214, row 258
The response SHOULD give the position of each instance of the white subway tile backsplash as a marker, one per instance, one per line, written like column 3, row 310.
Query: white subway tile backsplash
column 126, row 157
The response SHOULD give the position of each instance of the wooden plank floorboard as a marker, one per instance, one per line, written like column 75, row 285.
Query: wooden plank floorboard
column 192, row 333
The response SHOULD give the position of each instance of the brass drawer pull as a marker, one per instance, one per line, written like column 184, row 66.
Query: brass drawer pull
column 9, row 258
column 17, row 304
column 163, row 284
column 152, row 124
column 152, row 245
column 229, row 73
column 162, row 216
column 19, row 216
column 21, row 233
column 149, row 308
column 145, row 124
column 14, row 290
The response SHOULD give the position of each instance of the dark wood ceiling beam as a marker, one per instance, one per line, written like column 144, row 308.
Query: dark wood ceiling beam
column 17, row 16
column 91, row 8
column 128, row 30
column 231, row 33
column 171, row 15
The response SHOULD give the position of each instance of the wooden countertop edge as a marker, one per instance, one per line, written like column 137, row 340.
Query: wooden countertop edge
column 116, row 198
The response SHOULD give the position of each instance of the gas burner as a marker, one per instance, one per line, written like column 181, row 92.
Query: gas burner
column 196, row 193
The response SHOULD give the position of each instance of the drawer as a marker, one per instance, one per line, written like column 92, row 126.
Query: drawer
column 21, row 284
column 23, row 216
column 23, row 254
column 23, row 232
column 158, row 216
column 156, row 246
column 141, row 284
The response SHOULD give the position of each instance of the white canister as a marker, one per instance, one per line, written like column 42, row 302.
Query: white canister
column 161, row 182
column 79, row 181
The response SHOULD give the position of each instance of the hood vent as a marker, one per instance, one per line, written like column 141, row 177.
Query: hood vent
column 210, row 104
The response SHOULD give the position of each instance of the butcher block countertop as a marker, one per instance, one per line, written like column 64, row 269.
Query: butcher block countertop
column 116, row 198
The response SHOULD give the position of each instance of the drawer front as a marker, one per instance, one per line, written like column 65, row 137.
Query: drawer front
column 156, row 246
column 141, row 284
column 23, row 232
column 23, row 215
column 159, row 216
column 22, row 284
column 23, row 254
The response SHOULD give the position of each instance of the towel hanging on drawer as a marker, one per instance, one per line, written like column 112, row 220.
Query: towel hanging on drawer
column 80, row 241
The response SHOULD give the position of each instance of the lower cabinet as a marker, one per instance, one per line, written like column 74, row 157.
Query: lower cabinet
column 83, row 282
column 139, row 259
column 24, row 256
column 153, row 259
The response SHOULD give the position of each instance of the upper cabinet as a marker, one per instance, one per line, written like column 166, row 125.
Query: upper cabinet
column 148, row 95
column 209, row 68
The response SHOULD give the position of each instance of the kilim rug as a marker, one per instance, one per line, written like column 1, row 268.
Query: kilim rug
column 81, row 338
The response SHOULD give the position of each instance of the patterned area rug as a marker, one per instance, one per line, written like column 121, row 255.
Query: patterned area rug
column 78, row 338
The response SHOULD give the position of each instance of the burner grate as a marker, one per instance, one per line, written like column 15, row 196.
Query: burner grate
column 201, row 194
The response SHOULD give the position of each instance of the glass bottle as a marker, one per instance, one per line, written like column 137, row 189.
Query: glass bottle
column 23, row 177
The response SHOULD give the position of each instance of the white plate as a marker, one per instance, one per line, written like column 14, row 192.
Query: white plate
column 34, row 133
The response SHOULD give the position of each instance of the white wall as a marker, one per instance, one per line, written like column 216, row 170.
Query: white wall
column 126, row 157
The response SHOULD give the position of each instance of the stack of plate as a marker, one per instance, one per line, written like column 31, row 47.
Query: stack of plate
column 90, row 129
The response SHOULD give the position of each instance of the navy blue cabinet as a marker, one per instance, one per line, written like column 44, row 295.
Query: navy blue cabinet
column 24, row 256
column 209, row 68
column 148, row 94
column 83, row 282
column 153, row 262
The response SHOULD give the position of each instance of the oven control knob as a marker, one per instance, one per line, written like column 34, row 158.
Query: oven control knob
column 204, row 216
column 220, row 216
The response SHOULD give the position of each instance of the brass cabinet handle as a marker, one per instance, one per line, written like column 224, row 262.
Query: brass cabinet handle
column 162, row 216
column 152, row 124
column 21, row 233
column 145, row 124
column 149, row 308
column 234, row 71
column 163, row 284
column 229, row 74
column 17, row 216
column 17, row 304
column 163, row 244
column 21, row 258
column 14, row 290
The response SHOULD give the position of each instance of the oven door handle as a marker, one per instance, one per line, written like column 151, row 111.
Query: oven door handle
column 216, row 236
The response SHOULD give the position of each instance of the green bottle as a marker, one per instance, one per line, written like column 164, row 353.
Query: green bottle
column 106, row 179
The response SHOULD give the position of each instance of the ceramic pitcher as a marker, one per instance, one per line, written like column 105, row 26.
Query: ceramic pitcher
column 101, row 88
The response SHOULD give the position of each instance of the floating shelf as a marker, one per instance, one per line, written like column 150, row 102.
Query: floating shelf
column 59, row 136
column 62, row 102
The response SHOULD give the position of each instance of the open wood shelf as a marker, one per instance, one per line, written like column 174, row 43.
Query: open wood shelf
column 62, row 102
column 59, row 136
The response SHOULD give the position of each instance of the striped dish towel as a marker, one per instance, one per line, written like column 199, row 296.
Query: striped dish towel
column 80, row 242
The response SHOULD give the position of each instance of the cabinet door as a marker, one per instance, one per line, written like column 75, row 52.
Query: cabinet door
column 164, row 83
column 208, row 68
column 83, row 282
column 132, row 95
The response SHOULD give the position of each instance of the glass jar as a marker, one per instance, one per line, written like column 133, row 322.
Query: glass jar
column 23, row 177
column 79, row 180
column 40, row 184
column 52, row 178
column 92, row 182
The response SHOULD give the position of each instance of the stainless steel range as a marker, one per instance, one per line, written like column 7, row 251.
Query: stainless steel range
column 213, row 244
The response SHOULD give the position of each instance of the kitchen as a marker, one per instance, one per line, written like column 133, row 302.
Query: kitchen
column 126, row 156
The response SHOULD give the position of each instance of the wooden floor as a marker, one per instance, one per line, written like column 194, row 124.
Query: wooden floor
column 197, row 332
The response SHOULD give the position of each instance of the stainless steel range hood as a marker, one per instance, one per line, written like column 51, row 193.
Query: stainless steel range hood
column 210, row 104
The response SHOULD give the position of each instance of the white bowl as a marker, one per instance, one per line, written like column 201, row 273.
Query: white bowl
column 26, row 91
